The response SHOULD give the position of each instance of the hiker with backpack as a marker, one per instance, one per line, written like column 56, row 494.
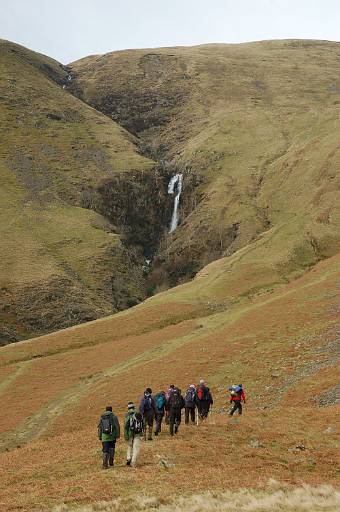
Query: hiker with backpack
column 170, row 390
column 175, row 406
column 160, row 402
column 133, row 432
column 237, row 396
column 204, row 400
column 147, row 409
column 190, row 400
column 167, row 409
column 108, row 433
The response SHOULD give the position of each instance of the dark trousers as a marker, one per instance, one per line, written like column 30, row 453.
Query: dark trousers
column 159, row 419
column 175, row 420
column 109, row 448
column 190, row 412
column 203, row 408
column 148, row 418
column 237, row 406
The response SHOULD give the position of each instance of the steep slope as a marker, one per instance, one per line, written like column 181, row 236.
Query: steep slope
column 253, row 128
column 78, row 203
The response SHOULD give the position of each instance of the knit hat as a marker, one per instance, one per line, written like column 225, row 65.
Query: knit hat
column 192, row 386
column 202, row 381
column 131, row 405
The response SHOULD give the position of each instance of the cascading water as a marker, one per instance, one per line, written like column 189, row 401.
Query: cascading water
column 175, row 180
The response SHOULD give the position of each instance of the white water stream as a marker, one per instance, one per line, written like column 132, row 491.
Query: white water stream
column 175, row 180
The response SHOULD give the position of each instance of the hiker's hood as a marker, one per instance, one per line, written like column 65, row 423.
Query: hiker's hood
column 107, row 413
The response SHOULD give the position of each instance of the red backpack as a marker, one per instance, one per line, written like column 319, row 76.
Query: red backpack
column 202, row 393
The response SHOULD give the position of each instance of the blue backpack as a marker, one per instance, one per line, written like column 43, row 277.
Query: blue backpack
column 147, row 402
column 235, row 390
column 160, row 402
column 190, row 396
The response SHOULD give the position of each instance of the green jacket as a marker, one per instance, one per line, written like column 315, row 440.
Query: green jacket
column 115, row 428
column 127, row 431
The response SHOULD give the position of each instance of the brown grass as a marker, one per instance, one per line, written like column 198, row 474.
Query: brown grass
column 290, row 332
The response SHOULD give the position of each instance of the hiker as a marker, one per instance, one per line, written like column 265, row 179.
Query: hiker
column 133, row 432
column 167, row 410
column 147, row 409
column 170, row 390
column 190, row 400
column 108, row 433
column 237, row 396
column 175, row 406
column 160, row 401
column 204, row 400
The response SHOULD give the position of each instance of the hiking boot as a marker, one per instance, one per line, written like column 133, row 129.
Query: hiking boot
column 156, row 433
column 176, row 430
column 105, row 460
column 128, row 462
column 149, row 438
column 111, row 457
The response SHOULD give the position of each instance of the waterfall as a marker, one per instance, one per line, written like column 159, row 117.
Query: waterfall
column 175, row 180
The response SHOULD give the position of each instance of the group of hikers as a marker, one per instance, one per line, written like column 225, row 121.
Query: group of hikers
column 139, row 422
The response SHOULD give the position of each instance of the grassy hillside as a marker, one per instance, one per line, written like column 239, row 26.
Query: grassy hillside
column 289, row 431
column 61, row 261
column 253, row 127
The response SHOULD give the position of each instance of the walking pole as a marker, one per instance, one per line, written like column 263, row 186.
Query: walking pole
column 197, row 417
column 144, row 425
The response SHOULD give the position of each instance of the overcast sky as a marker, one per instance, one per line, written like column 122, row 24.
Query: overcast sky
column 70, row 29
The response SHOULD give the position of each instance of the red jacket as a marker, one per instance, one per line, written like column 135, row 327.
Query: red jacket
column 239, row 396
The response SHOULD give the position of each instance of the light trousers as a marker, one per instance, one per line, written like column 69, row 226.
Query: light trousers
column 134, row 444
